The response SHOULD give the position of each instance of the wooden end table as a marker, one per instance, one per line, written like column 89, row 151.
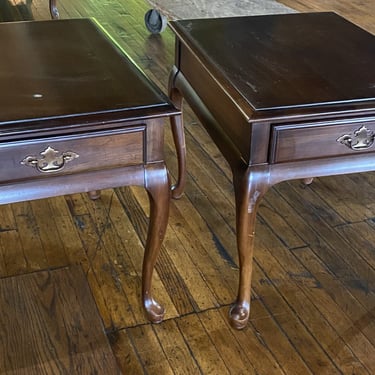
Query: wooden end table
column 76, row 115
column 283, row 97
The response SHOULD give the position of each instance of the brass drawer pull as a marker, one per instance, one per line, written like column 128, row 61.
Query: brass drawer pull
column 51, row 160
column 361, row 139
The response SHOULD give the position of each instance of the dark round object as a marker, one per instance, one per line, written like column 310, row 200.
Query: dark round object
column 155, row 21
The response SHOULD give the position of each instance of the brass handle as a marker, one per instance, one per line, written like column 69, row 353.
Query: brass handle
column 360, row 139
column 51, row 160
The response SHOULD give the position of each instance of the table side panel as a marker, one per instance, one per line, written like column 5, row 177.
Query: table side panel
column 154, row 140
column 292, row 142
column 213, row 94
column 91, row 151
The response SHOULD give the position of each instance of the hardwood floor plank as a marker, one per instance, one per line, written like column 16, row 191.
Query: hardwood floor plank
column 282, row 207
column 355, row 274
column 226, row 344
column 68, row 231
column 268, row 332
column 201, row 346
column 29, row 237
column 360, row 236
column 51, row 242
column 198, row 240
column 282, row 304
column 58, row 328
column 14, row 261
column 359, row 12
column 253, row 345
column 7, row 221
column 104, row 271
column 353, row 201
column 149, row 351
column 126, row 355
column 358, row 316
column 175, row 348
column 296, row 276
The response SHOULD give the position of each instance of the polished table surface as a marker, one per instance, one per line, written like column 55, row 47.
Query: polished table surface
column 283, row 97
column 76, row 115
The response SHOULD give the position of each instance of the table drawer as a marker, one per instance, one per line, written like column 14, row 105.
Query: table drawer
column 71, row 153
column 319, row 140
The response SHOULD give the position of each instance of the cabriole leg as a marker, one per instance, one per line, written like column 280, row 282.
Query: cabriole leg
column 157, row 186
column 249, row 188
column 177, row 127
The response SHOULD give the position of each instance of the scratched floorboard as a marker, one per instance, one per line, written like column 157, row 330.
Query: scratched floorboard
column 50, row 325
column 314, row 280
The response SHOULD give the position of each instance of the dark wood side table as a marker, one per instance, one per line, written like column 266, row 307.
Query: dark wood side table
column 76, row 115
column 283, row 97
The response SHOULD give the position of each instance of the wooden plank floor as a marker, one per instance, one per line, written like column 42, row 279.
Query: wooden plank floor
column 314, row 280
column 50, row 325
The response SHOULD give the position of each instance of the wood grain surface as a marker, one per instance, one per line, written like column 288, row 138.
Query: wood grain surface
column 50, row 325
column 313, row 284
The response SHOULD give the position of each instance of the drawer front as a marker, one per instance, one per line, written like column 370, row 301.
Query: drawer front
column 71, row 154
column 320, row 140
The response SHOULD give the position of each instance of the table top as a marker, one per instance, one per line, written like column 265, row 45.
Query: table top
column 287, row 61
column 69, row 68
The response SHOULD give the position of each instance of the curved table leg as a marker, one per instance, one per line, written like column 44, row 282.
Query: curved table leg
column 250, row 184
column 157, row 186
column 249, row 188
column 53, row 9
column 177, row 127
